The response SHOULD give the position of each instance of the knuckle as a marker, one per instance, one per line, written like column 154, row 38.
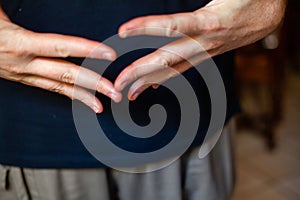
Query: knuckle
column 134, row 74
column 215, row 25
column 14, row 46
column 61, row 50
column 171, row 26
column 21, row 52
column 14, row 69
column 19, row 78
column 194, row 27
column 164, row 60
column 101, row 88
column 6, row 67
column 4, row 48
column 20, row 49
column 210, row 22
column 67, row 77
column 13, row 77
column 58, row 88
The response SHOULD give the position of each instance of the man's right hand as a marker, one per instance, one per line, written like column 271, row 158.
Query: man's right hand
column 31, row 58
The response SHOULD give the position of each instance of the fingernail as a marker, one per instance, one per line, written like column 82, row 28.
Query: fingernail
column 114, row 96
column 123, row 34
column 108, row 56
column 155, row 86
column 134, row 96
column 97, row 109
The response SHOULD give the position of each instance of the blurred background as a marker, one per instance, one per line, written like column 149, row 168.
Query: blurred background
column 268, row 129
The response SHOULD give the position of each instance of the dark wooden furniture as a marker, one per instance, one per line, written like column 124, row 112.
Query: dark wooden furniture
column 260, row 74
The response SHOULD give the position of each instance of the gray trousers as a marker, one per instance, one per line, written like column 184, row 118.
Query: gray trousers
column 210, row 178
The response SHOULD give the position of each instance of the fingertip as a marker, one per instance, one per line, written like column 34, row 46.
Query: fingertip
column 127, row 29
column 98, row 108
column 99, row 111
column 122, row 32
column 109, row 56
column 134, row 92
column 116, row 97
column 103, row 52
column 131, row 98
column 134, row 96
column 155, row 86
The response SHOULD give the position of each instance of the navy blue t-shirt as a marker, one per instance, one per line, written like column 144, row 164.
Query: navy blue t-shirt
column 36, row 126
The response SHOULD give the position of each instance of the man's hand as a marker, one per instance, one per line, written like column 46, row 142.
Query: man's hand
column 220, row 26
column 31, row 58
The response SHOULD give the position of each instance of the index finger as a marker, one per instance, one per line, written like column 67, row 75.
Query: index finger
column 164, row 57
column 56, row 45
column 173, row 25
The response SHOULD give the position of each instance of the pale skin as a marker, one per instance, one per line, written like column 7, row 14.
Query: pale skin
column 220, row 26
column 31, row 58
